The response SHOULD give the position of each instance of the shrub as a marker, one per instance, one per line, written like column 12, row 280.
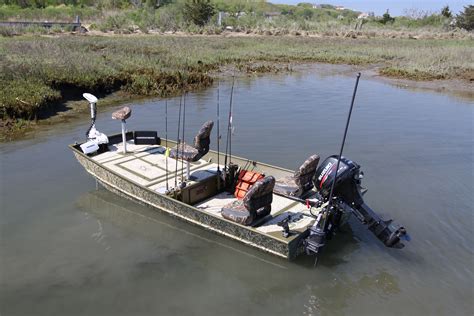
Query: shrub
column 169, row 18
column 465, row 19
column 116, row 22
column 56, row 29
column 198, row 12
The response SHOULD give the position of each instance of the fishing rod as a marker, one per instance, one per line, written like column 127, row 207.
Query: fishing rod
column 182, row 146
column 330, row 203
column 218, row 132
column 231, row 125
column 228, row 146
column 177, row 144
column 218, row 140
column 166, row 143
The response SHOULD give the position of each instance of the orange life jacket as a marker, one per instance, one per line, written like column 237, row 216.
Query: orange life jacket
column 245, row 182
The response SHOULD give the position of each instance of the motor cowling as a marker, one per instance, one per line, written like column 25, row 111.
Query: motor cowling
column 326, row 172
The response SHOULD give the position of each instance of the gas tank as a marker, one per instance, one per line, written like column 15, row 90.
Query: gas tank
column 327, row 170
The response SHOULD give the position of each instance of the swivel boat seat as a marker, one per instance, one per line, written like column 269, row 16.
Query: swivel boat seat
column 193, row 153
column 300, row 182
column 256, row 204
column 123, row 114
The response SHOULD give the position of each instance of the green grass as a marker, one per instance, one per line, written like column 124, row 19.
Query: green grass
column 24, row 98
column 35, row 71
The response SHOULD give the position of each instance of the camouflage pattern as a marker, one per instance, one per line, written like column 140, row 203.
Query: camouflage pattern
column 304, row 175
column 184, row 151
column 201, row 145
column 203, row 138
column 122, row 114
column 301, row 181
column 255, row 205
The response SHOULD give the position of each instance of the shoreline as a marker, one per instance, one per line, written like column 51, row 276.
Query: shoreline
column 74, row 108
column 42, row 76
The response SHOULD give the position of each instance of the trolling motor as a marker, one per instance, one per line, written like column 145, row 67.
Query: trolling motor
column 94, row 137
column 338, row 182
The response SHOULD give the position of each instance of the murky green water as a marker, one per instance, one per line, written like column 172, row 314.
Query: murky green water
column 69, row 249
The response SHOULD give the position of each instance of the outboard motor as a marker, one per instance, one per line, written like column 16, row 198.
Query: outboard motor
column 347, row 197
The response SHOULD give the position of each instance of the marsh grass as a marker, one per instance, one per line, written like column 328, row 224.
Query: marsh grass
column 35, row 71
column 61, row 13
column 326, row 22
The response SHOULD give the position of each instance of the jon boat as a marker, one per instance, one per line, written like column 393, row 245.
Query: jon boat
column 279, row 211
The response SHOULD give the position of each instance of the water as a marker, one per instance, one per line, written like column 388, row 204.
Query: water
column 69, row 249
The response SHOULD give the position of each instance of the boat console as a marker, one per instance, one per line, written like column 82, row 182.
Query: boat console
column 202, row 185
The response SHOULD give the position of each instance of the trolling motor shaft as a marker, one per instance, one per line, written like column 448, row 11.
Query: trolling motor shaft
column 91, row 132
column 94, row 137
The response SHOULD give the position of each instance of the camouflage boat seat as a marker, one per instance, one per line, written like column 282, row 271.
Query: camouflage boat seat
column 300, row 182
column 255, row 205
column 201, row 145
column 122, row 114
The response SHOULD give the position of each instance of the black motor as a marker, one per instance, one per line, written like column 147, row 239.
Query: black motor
column 324, row 176
column 347, row 197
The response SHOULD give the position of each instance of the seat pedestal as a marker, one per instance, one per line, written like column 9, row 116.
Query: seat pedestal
column 188, row 170
column 124, row 139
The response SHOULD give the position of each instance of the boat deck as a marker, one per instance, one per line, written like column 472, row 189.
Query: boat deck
column 145, row 167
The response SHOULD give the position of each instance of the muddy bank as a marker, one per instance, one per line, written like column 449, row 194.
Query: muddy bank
column 459, row 88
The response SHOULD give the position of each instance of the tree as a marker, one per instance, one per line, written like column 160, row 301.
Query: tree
column 198, row 12
column 446, row 12
column 386, row 18
column 465, row 19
